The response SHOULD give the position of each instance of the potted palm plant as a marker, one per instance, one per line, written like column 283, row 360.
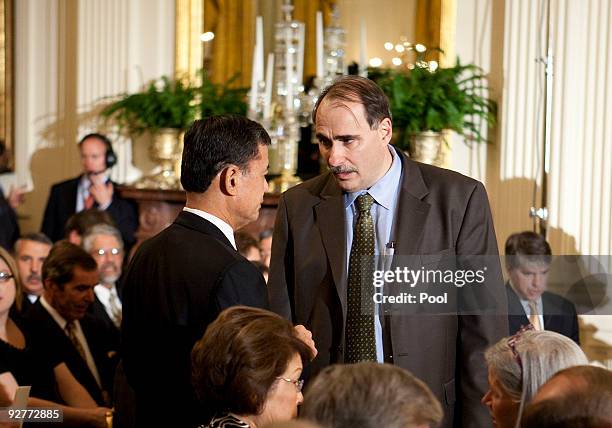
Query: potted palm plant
column 426, row 100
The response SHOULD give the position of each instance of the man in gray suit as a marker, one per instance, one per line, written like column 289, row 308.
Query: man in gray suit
column 374, row 198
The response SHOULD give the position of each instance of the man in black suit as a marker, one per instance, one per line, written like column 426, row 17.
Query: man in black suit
column 396, row 204
column 528, row 258
column 92, row 189
column 181, row 279
column 59, row 323
column 31, row 250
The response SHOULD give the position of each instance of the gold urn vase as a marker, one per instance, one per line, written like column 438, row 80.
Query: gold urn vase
column 164, row 150
column 425, row 147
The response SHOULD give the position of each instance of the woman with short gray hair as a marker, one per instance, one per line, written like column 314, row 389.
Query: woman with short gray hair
column 519, row 365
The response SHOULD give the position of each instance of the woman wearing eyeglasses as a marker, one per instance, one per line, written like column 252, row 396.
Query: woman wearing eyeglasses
column 246, row 369
column 20, row 364
column 519, row 365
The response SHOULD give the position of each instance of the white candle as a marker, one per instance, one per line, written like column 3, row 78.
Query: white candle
column 289, row 70
column 253, row 93
column 269, row 76
column 300, row 55
column 259, row 43
column 320, row 46
column 362, row 51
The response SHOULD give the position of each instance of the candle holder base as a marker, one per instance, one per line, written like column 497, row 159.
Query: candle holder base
column 284, row 182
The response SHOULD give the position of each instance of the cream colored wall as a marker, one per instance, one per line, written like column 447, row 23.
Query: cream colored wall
column 68, row 55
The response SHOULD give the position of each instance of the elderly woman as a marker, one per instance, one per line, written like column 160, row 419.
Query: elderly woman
column 519, row 365
column 20, row 364
column 246, row 369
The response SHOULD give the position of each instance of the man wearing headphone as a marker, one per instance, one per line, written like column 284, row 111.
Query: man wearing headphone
column 93, row 189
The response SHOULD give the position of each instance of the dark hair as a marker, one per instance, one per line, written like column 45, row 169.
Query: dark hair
column 584, row 409
column 236, row 362
column 358, row 90
column 33, row 236
column 370, row 395
column 63, row 258
column 83, row 220
column 245, row 241
column 212, row 144
column 12, row 265
column 527, row 246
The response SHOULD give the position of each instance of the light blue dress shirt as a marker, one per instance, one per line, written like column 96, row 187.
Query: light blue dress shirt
column 385, row 193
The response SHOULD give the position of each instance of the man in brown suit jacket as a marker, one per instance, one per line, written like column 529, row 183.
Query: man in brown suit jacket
column 422, row 210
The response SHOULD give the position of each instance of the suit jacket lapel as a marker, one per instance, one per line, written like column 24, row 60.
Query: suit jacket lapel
column 412, row 211
column 331, row 216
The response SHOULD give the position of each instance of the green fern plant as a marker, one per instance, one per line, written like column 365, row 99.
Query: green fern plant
column 447, row 98
column 165, row 103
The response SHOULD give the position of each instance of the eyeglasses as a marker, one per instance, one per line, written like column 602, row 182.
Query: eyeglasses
column 512, row 340
column 299, row 384
column 5, row 276
column 103, row 251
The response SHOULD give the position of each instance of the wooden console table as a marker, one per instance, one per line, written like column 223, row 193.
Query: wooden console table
column 157, row 209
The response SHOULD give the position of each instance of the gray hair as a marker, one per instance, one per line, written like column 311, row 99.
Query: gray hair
column 100, row 229
column 370, row 395
column 542, row 354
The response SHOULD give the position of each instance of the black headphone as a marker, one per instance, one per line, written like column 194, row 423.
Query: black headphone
column 110, row 158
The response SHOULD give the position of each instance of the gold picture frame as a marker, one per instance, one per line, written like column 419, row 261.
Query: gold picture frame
column 6, row 79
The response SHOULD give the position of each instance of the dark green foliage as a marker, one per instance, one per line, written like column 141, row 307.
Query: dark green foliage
column 175, row 103
column 170, row 106
column 449, row 98
column 222, row 98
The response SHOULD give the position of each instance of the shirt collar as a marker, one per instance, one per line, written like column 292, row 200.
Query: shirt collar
column 60, row 320
column 383, row 191
column 223, row 226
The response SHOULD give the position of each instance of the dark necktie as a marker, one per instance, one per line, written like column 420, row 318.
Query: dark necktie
column 359, row 337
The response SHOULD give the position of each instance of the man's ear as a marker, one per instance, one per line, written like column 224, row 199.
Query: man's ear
column 228, row 180
column 385, row 130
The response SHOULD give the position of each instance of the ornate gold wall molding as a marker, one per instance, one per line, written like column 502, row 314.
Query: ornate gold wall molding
column 435, row 27
column 188, row 46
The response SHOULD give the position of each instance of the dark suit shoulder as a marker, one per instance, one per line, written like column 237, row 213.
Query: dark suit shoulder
column 436, row 177
column 313, row 187
column 62, row 185
column 556, row 301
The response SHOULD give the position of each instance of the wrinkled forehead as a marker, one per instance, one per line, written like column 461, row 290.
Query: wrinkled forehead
column 338, row 112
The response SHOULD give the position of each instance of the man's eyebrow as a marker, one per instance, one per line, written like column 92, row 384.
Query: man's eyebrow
column 347, row 137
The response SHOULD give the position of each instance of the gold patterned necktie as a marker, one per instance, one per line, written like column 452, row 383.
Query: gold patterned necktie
column 360, row 337
column 534, row 318
column 113, row 302
column 71, row 330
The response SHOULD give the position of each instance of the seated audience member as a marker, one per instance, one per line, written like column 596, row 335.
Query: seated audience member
column 92, row 189
column 45, row 372
column 576, row 380
column 579, row 396
column 9, row 227
column 247, row 246
column 370, row 395
column 31, row 250
column 60, row 324
column 519, row 365
column 528, row 258
column 246, row 368
column 265, row 246
column 79, row 223
column 104, row 244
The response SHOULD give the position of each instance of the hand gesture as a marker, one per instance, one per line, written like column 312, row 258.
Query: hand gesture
column 306, row 336
column 102, row 193
column 16, row 196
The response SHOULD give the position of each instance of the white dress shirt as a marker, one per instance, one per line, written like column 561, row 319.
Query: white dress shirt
column 104, row 294
column 225, row 228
